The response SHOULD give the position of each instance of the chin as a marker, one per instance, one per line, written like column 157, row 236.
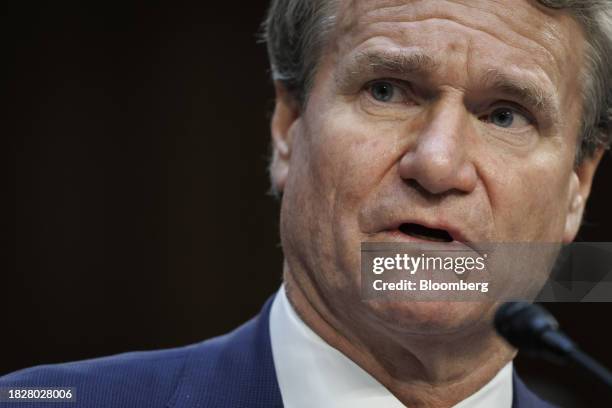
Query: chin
column 430, row 318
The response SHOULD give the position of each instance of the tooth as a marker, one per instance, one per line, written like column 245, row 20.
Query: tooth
column 426, row 237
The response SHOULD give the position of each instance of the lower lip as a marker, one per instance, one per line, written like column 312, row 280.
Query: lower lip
column 398, row 236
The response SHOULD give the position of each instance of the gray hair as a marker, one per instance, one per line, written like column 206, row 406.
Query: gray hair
column 295, row 31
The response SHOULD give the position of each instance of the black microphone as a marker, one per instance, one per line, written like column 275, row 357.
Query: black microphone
column 531, row 329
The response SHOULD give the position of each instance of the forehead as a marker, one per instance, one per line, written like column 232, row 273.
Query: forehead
column 477, row 33
column 549, row 33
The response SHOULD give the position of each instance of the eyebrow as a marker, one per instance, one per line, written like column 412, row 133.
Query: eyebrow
column 413, row 62
column 385, row 62
column 524, row 90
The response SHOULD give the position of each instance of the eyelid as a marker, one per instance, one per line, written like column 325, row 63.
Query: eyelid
column 514, row 107
column 403, row 86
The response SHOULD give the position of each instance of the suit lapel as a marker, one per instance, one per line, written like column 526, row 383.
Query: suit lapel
column 235, row 370
column 522, row 397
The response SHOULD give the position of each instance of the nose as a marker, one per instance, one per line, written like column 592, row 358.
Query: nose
column 440, row 160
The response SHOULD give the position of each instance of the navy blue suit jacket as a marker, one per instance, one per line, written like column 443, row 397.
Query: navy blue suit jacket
column 235, row 370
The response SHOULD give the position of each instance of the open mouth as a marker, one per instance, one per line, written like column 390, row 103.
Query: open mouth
column 425, row 233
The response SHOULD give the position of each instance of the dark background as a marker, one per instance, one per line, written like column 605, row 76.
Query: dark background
column 139, row 135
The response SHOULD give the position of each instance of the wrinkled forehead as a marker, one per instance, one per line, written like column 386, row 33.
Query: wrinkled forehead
column 551, row 38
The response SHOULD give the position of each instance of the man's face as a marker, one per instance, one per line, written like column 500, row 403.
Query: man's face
column 459, row 116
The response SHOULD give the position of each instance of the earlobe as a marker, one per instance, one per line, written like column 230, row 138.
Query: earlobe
column 286, row 112
column 579, row 190
column 575, row 210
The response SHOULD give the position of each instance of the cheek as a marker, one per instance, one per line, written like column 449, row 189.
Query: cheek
column 335, row 165
column 530, row 200
column 324, row 171
column 347, row 159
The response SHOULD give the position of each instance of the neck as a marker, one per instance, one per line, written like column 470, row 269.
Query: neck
column 421, row 370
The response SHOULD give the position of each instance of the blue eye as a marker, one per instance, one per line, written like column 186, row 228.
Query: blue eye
column 382, row 91
column 502, row 117
column 506, row 117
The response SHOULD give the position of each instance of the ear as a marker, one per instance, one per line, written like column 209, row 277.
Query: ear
column 580, row 188
column 286, row 112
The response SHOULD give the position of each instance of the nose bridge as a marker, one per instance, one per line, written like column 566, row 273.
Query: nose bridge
column 439, row 159
column 440, row 141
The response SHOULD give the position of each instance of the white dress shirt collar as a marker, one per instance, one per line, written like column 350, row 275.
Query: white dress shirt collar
column 311, row 373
